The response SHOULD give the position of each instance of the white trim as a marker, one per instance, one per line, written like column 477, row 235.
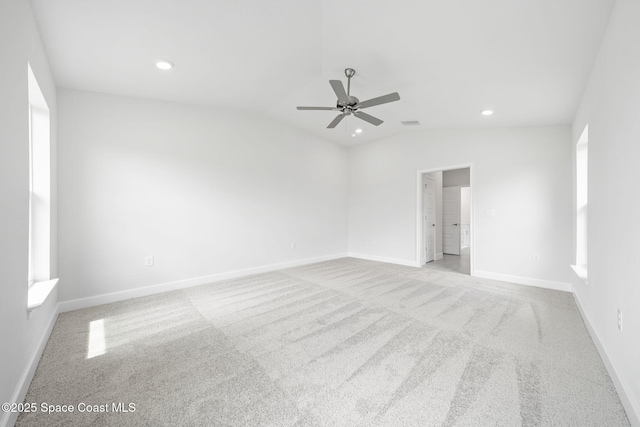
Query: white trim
column 581, row 272
column 419, row 214
column 9, row 418
column 77, row 304
column 439, row 256
column 38, row 293
column 624, row 391
column 405, row 262
column 539, row 283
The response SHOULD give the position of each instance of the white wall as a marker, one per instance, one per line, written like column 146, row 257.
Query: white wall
column 456, row 177
column 611, row 108
column 20, row 336
column 204, row 191
column 524, row 174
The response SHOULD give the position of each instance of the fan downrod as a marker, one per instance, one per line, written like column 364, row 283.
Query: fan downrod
column 349, row 72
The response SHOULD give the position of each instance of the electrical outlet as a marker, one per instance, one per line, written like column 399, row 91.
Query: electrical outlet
column 536, row 257
column 293, row 245
column 620, row 320
column 148, row 261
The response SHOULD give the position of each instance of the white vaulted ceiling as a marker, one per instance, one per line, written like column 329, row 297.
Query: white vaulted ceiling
column 526, row 59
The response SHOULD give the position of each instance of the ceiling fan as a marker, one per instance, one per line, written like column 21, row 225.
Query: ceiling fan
column 348, row 104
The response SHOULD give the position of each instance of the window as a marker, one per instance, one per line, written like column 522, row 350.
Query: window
column 582, row 181
column 38, row 278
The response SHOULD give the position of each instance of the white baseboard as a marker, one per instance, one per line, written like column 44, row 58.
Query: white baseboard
column 547, row 284
column 93, row 301
column 408, row 263
column 9, row 418
column 439, row 256
column 631, row 407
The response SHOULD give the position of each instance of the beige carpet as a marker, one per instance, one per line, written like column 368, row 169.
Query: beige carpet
column 339, row 343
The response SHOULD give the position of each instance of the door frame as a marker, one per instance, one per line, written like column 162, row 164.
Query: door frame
column 420, row 212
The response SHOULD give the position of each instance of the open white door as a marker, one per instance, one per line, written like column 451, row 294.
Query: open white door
column 429, row 220
column 451, row 220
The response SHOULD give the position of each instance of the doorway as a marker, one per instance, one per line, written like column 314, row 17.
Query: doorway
column 453, row 219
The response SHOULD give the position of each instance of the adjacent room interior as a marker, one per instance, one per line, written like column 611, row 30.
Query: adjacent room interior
column 445, row 235
column 319, row 213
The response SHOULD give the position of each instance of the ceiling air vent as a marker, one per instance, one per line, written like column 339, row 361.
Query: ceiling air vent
column 411, row 123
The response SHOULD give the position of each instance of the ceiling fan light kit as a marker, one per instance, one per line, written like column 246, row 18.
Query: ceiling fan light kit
column 348, row 104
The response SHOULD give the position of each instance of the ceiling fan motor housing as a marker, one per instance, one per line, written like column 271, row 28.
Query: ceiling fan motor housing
column 352, row 102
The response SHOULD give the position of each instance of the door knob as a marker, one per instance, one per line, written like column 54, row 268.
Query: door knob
column 433, row 225
column 455, row 224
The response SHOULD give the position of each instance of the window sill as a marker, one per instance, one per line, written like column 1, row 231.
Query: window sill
column 581, row 272
column 38, row 293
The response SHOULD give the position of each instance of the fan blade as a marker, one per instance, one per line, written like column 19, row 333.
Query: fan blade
column 368, row 118
column 379, row 100
column 318, row 108
column 335, row 121
column 338, row 88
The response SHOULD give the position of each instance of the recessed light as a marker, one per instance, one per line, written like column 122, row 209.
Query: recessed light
column 353, row 135
column 163, row 64
column 358, row 130
column 487, row 112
